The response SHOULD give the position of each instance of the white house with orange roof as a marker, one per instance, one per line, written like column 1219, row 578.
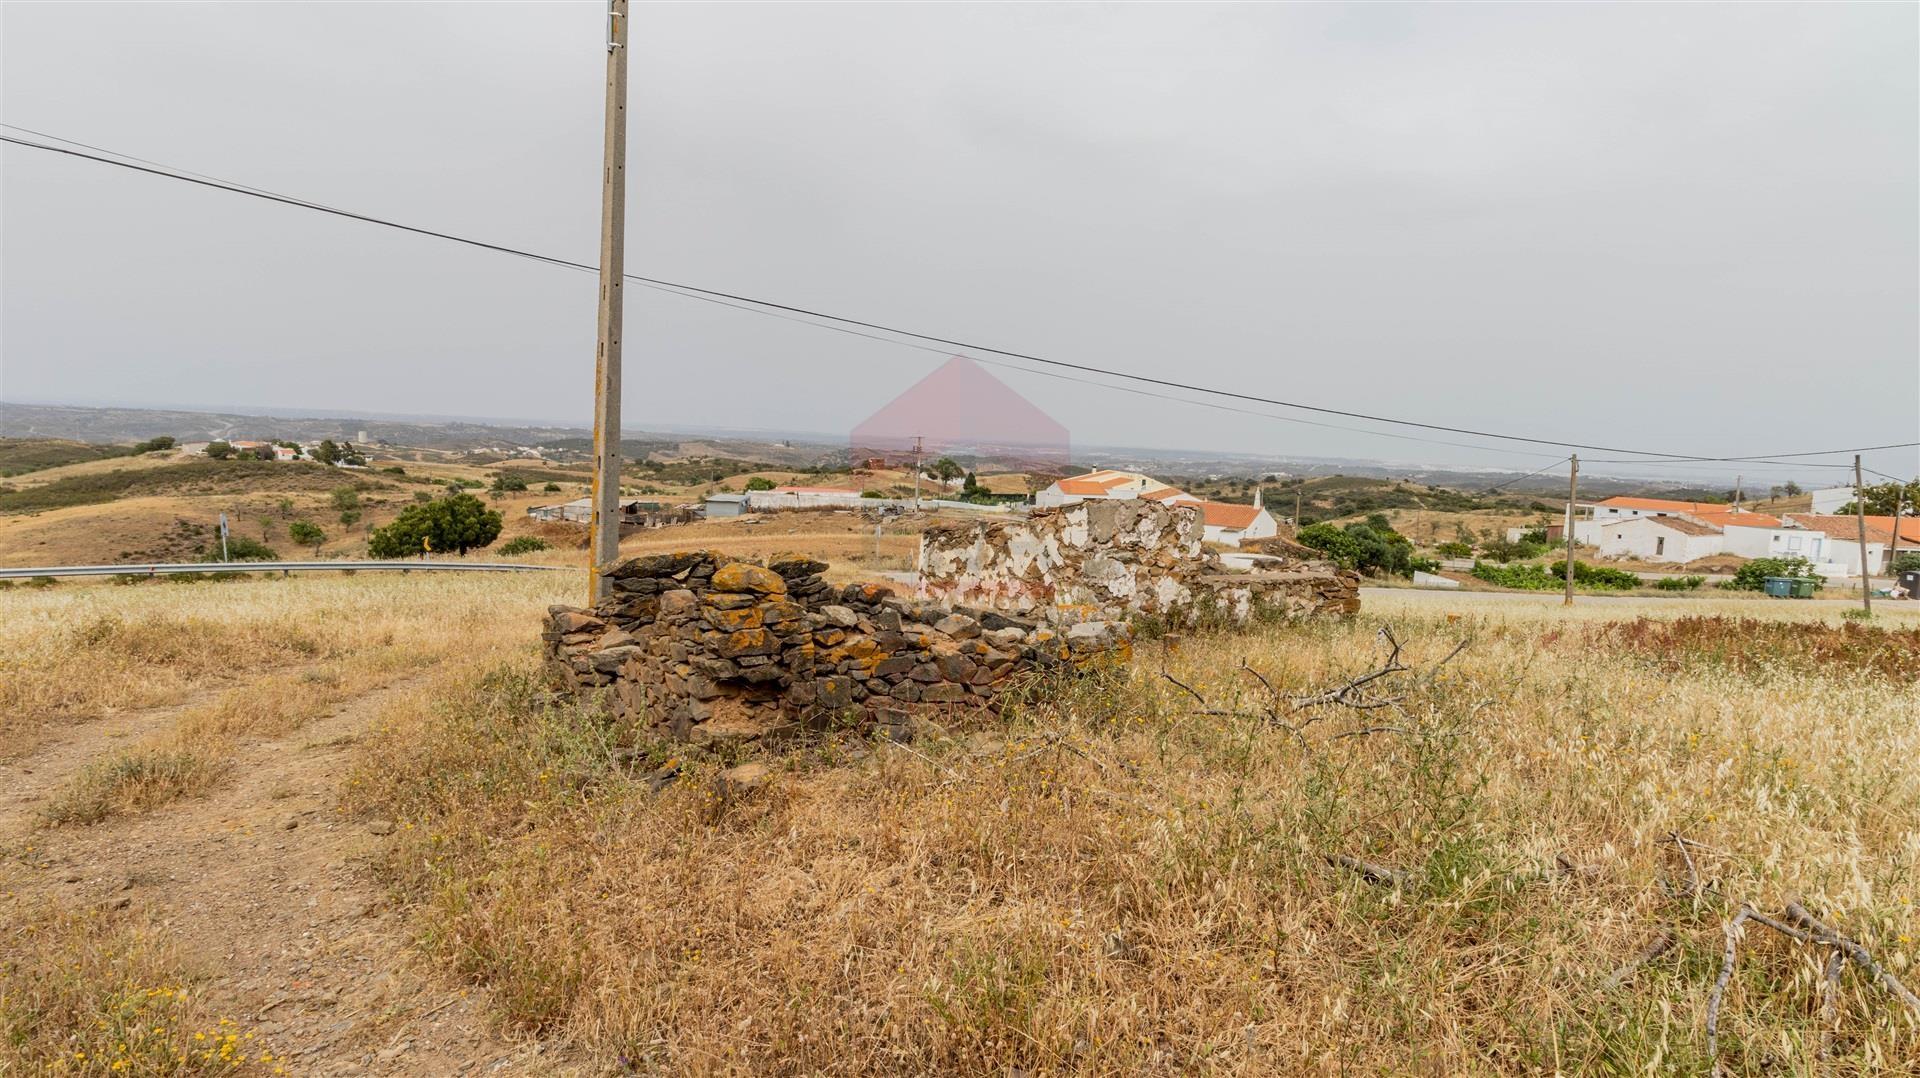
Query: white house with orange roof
column 1104, row 483
column 1226, row 523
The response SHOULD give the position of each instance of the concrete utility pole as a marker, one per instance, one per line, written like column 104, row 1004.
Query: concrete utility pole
column 1296, row 510
column 1860, row 515
column 1573, row 495
column 605, row 525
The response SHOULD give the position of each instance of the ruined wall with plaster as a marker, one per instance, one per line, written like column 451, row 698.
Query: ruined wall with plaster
column 1116, row 560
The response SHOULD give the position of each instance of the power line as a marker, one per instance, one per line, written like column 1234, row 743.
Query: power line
column 1524, row 478
column 200, row 179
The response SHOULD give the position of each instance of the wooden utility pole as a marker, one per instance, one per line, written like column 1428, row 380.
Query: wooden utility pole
column 916, row 473
column 605, row 526
column 1860, row 515
column 1573, row 495
column 1296, row 510
column 1893, row 544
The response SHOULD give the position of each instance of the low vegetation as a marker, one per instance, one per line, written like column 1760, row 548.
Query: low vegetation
column 1752, row 575
column 187, row 477
column 1212, row 876
column 96, row 993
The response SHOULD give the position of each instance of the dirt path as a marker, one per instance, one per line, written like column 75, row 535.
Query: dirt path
column 268, row 890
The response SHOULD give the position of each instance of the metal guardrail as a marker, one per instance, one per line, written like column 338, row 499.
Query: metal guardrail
column 175, row 568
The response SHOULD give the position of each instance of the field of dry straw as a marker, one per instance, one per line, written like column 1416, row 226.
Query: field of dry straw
column 1519, row 854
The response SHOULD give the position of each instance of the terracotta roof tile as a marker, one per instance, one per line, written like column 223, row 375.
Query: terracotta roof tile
column 1229, row 514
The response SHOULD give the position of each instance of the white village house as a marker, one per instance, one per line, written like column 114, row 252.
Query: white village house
column 1226, row 523
column 1653, row 529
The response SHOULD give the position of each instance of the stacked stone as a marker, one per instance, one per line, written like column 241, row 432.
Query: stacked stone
column 1116, row 560
column 707, row 647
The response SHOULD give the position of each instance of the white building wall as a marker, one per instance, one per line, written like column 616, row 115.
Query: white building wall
column 1647, row 540
column 1830, row 499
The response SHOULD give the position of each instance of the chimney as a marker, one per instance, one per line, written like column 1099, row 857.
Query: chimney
column 1256, row 495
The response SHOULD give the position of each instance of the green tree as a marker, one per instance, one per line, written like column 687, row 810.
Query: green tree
column 327, row 452
column 553, row 488
column 946, row 469
column 345, row 498
column 1881, row 499
column 455, row 523
column 1792, row 489
column 758, row 483
column 505, row 481
column 306, row 534
column 154, row 445
column 219, row 450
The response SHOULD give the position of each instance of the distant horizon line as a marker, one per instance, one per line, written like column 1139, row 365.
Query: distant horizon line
column 804, row 437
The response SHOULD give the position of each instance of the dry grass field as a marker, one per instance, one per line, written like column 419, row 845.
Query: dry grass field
column 337, row 825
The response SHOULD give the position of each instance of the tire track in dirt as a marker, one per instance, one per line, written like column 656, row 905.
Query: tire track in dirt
column 272, row 893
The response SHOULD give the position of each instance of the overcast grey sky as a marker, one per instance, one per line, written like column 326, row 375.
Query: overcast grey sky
column 1690, row 228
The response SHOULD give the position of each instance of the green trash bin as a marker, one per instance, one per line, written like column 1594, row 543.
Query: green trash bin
column 1803, row 587
column 1780, row 587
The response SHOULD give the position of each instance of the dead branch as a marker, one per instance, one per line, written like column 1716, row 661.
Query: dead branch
column 1693, row 871
column 1727, row 957
column 1830, row 1001
column 1660, row 944
column 1860, row 955
column 1369, row 871
column 1371, row 730
column 1189, row 689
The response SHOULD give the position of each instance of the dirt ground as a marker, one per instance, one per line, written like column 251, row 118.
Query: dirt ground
column 268, row 889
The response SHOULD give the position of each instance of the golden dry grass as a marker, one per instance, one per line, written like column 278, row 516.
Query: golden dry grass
column 1103, row 882
column 1112, row 884
column 78, row 652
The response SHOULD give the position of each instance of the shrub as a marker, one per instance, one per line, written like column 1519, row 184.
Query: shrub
column 154, row 445
column 504, row 482
column 394, row 469
column 457, row 522
column 1596, row 576
column 306, row 533
column 350, row 517
column 1454, row 550
column 755, row 483
column 1753, row 575
column 1527, row 577
column 240, row 548
column 219, row 450
column 522, row 544
column 1907, row 562
column 871, row 494
column 551, row 488
column 1502, row 551
column 1679, row 583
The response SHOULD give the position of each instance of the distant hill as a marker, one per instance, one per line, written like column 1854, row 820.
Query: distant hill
column 18, row 456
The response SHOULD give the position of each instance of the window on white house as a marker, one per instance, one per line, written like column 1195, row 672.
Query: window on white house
column 1793, row 542
column 1659, row 547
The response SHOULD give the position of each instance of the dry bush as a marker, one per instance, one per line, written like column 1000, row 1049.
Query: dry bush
column 1751, row 645
column 97, row 994
column 1109, row 882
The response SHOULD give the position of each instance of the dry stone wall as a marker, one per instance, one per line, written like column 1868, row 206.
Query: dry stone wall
column 1117, row 560
column 707, row 647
